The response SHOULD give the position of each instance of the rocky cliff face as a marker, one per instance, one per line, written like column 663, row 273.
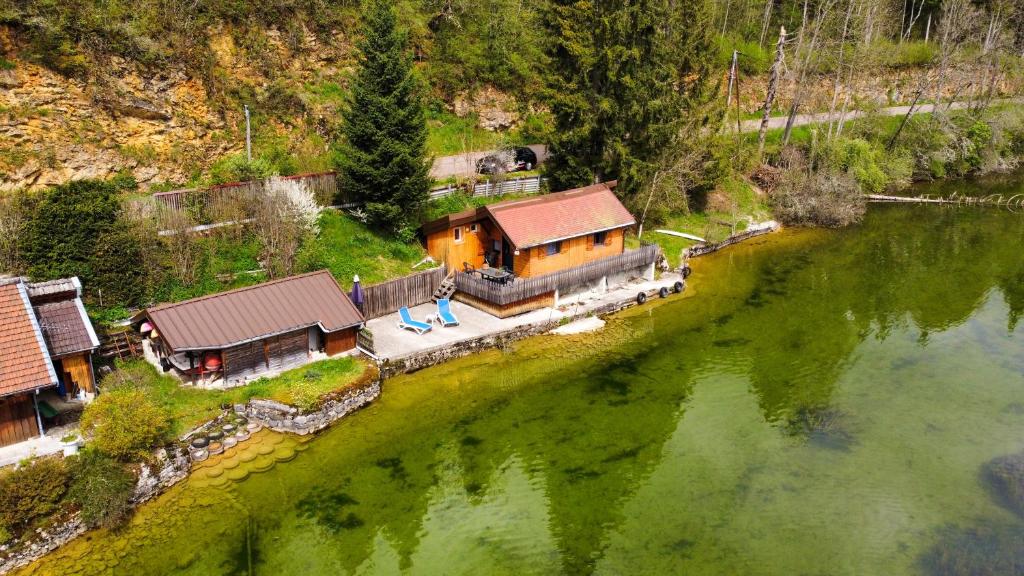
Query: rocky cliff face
column 54, row 129
column 161, row 125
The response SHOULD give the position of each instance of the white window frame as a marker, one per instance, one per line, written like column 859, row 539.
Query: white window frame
column 458, row 234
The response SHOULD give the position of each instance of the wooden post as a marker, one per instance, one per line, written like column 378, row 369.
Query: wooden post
column 773, row 86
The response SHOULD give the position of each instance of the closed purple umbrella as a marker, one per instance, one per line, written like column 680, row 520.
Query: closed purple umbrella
column 357, row 293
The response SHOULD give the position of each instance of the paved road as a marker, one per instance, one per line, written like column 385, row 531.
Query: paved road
column 821, row 118
column 462, row 165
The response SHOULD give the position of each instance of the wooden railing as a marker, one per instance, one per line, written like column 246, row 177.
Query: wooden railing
column 526, row 185
column 524, row 288
column 412, row 290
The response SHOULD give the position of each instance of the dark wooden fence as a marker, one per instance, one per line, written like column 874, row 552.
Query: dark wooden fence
column 412, row 290
column 524, row 288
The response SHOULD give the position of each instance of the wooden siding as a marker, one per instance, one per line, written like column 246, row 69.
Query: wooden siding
column 577, row 251
column 504, row 311
column 80, row 370
column 277, row 353
column 525, row 288
column 442, row 246
column 17, row 419
column 341, row 341
column 412, row 290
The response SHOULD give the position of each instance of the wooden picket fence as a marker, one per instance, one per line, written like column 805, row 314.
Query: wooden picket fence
column 413, row 290
column 525, row 288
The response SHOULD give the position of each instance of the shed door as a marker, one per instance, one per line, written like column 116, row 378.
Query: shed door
column 17, row 419
column 341, row 341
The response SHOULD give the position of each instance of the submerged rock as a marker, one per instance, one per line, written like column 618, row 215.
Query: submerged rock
column 977, row 551
column 821, row 425
column 1005, row 478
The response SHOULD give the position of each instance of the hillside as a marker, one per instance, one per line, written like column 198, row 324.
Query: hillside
column 90, row 90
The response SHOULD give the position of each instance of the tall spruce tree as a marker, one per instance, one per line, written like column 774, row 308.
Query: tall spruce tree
column 628, row 75
column 383, row 161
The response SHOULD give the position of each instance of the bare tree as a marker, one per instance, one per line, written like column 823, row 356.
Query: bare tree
column 773, row 85
column 186, row 254
column 958, row 17
column 13, row 216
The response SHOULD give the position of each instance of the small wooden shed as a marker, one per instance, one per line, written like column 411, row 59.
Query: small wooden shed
column 240, row 334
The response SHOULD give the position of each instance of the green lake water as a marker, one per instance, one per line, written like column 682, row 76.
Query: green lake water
column 818, row 402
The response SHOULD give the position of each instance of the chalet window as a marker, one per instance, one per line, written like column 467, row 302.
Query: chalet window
column 458, row 234
column 600, row 237
column 553, row 248
column 472, row 228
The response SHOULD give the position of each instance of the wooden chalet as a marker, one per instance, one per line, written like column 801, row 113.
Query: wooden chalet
column 46, row 343
column 520, row 255
column 534, row 236
column 240, row 334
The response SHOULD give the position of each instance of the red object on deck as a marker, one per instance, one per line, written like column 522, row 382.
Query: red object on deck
column 212, row 362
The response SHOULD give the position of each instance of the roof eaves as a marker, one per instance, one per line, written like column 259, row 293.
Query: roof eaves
column 23, row 292
column 534, row 245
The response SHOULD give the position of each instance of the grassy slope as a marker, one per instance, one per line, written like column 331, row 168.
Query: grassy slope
column 347, row 247
column 300, row 387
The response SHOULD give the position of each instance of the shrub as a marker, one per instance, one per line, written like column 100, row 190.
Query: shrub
column 826, row 197
column 237, row 169
column 125, row 423
column 116, row 267
column 102, row 488
column 32, row 491
column 862, row 161
column 52, row 247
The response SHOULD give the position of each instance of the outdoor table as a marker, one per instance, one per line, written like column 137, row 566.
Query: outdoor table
column 494, row 274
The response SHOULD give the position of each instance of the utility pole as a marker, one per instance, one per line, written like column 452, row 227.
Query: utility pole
column 248, row 139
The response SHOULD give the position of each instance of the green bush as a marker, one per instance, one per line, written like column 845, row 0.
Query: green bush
column 32, row 491
column 63, row 230
column 861, row 160
column 237, row 169
column 115, row 264
column 126, row 424
column 102, row 488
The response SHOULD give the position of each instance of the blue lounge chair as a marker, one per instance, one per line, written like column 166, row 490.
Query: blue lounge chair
column 408, row 323
column 444, row 313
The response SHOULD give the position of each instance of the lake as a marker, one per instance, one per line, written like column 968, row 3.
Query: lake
column 818, row 402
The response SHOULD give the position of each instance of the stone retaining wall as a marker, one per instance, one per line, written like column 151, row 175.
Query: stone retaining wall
column 426, row 358
column 284, row 418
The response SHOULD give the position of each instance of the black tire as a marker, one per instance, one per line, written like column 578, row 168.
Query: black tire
column 678, row 287
column 663, row 292
column 686, row 272
column 200, row 442
column 641, row 298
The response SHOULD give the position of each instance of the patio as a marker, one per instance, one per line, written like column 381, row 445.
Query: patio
column 392, row 342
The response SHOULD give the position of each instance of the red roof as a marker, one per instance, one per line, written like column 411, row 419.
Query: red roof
column 24, row 362
column 543, row 219
column 255, row 312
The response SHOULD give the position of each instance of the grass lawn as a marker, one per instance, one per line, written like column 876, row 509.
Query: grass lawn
column 347, row 247
column 189, row 407
column 449, row 135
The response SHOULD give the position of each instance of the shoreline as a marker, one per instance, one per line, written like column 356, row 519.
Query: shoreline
column 174, row 464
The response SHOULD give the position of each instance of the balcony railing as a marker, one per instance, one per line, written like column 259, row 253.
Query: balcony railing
column 525, row 288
